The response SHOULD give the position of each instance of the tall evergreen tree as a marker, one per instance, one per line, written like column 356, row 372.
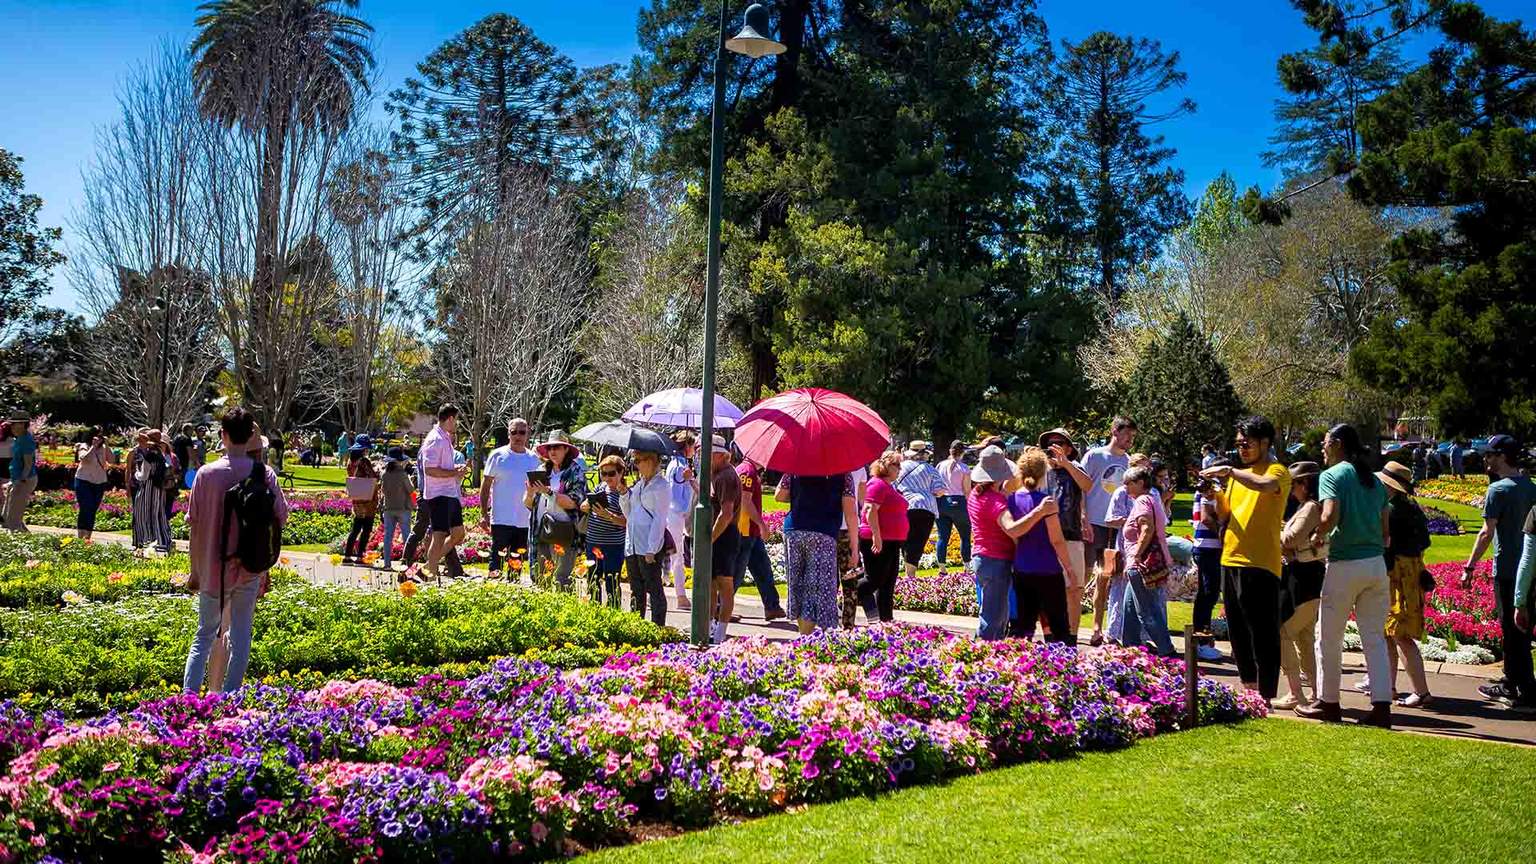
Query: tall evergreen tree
column 883, row 193
column 27, row 250
column 1319, row 120
column 490, row 106
column 1131, row 195
column 1181, row 395
column 1458, row 132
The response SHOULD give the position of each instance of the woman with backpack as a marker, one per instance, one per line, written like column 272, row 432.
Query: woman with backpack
column 1355, row 579
column 360, row 475
column 1408, row 531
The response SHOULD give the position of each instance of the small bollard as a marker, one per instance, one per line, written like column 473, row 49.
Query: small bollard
column 1191, row 677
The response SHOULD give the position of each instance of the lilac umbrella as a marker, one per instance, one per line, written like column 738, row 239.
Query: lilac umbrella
column 682, row 407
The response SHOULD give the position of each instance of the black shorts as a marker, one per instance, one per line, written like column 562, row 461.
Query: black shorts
column 919, row 528
column 444, row 514
column 722, row 563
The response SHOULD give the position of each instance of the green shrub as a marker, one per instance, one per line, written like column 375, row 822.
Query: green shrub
column 87, row 656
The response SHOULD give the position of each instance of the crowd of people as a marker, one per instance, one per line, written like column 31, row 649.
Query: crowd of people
column 1294, row 551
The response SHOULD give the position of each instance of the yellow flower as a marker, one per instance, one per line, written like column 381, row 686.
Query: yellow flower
column 335, row 559
column 72, row 597
column 407, row 589
column 66, row 541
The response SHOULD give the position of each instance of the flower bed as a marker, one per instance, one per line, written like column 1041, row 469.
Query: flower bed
column 1441, row 523
column 1459, row 614
column 38, row 570
column 524, row 762
column 89, row 655
column 1467, row 491
column 950, row 593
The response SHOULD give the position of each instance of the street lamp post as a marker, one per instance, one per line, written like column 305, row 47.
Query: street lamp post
column 163, row 307
column 752, row 42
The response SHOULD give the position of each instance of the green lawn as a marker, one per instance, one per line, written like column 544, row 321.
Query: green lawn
column 1275, row 790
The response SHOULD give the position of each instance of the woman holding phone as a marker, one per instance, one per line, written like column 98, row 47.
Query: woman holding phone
column 605, row 531
column 554, row 499
column 90, row 481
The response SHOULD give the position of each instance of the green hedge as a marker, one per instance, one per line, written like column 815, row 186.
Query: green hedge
column 88, row 626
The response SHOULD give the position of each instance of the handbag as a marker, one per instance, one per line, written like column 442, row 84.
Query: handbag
column 1426, row 581
column 555, row 532
column 1152, row 562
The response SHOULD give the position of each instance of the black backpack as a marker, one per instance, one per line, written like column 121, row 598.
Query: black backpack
column 252, row 506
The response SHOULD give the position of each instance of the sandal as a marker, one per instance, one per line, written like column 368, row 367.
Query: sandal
column 1097, row 639
column 1416, row 700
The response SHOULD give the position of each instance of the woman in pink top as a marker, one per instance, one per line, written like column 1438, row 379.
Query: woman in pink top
column 882, row 529
column 1146, row 527
column 993, row 530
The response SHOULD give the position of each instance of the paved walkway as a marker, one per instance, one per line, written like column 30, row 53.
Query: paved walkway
column 1458, row 710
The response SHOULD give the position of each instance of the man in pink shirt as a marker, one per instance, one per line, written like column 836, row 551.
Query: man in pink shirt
column 221, row 583
column 440, row 487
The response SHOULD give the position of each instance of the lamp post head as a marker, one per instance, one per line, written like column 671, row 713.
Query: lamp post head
column 752, row 40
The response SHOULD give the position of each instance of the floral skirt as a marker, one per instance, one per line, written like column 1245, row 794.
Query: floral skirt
column 810, row 564
column 1406, row 617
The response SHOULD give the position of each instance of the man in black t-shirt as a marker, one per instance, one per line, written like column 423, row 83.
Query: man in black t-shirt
column 1068, row 482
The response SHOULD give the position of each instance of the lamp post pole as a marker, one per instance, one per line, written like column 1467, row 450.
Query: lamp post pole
column 164, row 304
column 752, row 42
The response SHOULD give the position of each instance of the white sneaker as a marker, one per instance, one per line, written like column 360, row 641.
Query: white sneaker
column 1209, row 653
column 716, row 632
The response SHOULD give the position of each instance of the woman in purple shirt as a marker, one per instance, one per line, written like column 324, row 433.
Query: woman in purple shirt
column 1041, row 560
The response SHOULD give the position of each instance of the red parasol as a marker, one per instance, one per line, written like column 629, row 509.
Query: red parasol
column 812, row 432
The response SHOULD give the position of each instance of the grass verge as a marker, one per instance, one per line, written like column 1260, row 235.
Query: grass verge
column 1275, row 790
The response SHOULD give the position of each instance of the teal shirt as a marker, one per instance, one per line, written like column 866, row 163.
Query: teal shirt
column 1508, row 500
column 1357, row 535
column 22, row 446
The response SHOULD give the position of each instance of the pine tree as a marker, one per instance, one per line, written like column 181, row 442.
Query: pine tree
column 1131, row 196
column 1459, row 133
column 1181, row 396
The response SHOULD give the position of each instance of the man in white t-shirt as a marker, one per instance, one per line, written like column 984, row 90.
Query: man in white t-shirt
column 502, row 489
column 1105, row 467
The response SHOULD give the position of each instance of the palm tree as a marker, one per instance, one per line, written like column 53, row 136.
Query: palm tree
column 279, row 71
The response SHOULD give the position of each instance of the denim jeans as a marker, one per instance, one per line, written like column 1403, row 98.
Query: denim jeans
column 1208, row 564
column 952, row 515
column 752, row 554
column 994, row 578
column 241, row 602
column 88, row 496
column 1144, row 615
column 393, row 519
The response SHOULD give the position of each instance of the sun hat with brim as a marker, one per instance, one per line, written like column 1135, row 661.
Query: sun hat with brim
column 1303, row 470
column 716, row 442
column 357, row 449
column 395, row 454
column 19, row 417
column 1398, row 476
column 364, row 442
column 992, row 467
column 556, row 438
column 258, row 442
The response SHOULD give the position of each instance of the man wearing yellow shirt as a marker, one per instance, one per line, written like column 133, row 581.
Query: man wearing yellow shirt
column 1253, row 506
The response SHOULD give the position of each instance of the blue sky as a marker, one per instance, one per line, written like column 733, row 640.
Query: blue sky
column 63, row 60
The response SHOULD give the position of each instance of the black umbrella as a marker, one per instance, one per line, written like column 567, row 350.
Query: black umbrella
column 625, row 436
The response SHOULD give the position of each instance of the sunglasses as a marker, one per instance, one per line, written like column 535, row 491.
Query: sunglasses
column 610, row 473
column 517, row 431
